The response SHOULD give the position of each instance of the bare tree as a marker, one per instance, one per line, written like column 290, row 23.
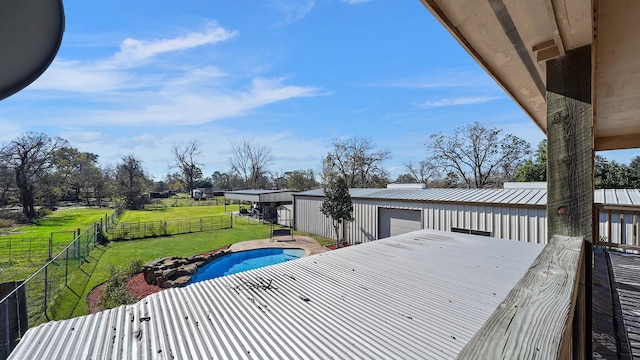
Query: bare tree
column 30, row 156
column 423, row 172
column 356, row 160
column 186, row 161
column 478, row 155
column 249, row 161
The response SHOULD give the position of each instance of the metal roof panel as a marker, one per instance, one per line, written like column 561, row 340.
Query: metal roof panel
column 417, row 295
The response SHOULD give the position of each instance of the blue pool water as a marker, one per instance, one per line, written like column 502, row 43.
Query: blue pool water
column 245, row 260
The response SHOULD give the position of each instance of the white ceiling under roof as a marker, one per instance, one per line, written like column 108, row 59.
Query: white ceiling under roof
column 512, row 40
column 418, row 295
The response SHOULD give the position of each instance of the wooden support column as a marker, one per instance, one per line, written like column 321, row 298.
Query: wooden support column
column 570, row 171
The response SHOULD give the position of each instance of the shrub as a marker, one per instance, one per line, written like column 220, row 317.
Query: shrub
column 5, row 223
column 115, row 292
column 45, row 212
column 133, row 267
column 16, row 216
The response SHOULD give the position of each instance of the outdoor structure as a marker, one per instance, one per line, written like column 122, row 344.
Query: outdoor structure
column 266, row 201
column 379, row 213
column 513, row 213
column 413, row 296
column 573, row 67
column 285, row 215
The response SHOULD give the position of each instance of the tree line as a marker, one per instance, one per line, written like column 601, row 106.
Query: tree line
column 606, row 174
column 37, row 170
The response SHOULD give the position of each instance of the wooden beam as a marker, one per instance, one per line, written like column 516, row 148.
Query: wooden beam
column 536, row 319
column 570, row 154
column 628, row 141
column 570, row 145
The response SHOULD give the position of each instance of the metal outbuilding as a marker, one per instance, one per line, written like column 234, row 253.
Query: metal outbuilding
column 265, row 200
column 419, row 295
column 516, row 214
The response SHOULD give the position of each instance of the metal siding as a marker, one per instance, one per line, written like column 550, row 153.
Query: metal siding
column 521, row 223
column 419, row 295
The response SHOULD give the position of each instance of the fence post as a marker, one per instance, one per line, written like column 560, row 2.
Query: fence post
column 7, row 328
column 66, row 267
column 623, row 229
column 165, row 228
column 9, row 249
column 46, row 282
column 50, row 246
column 200, row 224
column 231, row 220
column 78, row 242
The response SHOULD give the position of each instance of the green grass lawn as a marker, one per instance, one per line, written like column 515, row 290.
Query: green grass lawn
column 71, row 300
column 60, row 220
column 118, row 254
column 23, row 250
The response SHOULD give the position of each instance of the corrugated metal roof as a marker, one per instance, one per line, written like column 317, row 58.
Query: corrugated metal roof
column 617, row 196
column 493, row 196
column 487, row 196
column 256, row 192
column 418, row 295
column 262, row 196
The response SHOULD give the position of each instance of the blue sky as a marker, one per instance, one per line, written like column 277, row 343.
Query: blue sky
column 137, row 77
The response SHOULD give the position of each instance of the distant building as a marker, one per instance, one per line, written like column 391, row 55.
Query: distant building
column 511, row 213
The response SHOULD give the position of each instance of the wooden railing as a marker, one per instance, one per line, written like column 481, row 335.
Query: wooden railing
column 617, row 226
column 545, row 314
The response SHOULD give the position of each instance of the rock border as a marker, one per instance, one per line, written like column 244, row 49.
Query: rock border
column 175, row 271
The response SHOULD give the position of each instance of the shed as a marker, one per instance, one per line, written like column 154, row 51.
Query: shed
column 285, row 215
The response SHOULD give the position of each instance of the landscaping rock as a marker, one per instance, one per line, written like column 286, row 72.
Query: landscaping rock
column 169, row 273
column 175, row 271
column 149, row 275
column 182, row 281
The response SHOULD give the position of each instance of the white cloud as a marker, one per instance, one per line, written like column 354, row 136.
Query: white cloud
column 293, row 10
column 132, row 50
column 115, row 73
column 144, row 140
column 465, row 100
column 78, row 77
column 195, row 106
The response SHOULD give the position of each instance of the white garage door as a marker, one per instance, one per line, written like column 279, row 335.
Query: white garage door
column 397, row 221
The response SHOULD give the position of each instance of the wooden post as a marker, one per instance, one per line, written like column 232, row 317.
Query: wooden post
column 570, row 168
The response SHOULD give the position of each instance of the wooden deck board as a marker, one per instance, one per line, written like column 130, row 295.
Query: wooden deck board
column 605, row 338
column 626, row 272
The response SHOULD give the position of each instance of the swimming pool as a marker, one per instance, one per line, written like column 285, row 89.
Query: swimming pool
column 245, row 260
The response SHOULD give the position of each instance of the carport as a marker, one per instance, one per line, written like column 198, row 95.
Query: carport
column 266, row 201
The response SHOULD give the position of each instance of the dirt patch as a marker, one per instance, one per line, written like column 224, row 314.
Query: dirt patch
column 333, row 247
column 137, row 287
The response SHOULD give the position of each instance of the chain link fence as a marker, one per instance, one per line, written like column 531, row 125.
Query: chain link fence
column 29, row 303
column 140, row 230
